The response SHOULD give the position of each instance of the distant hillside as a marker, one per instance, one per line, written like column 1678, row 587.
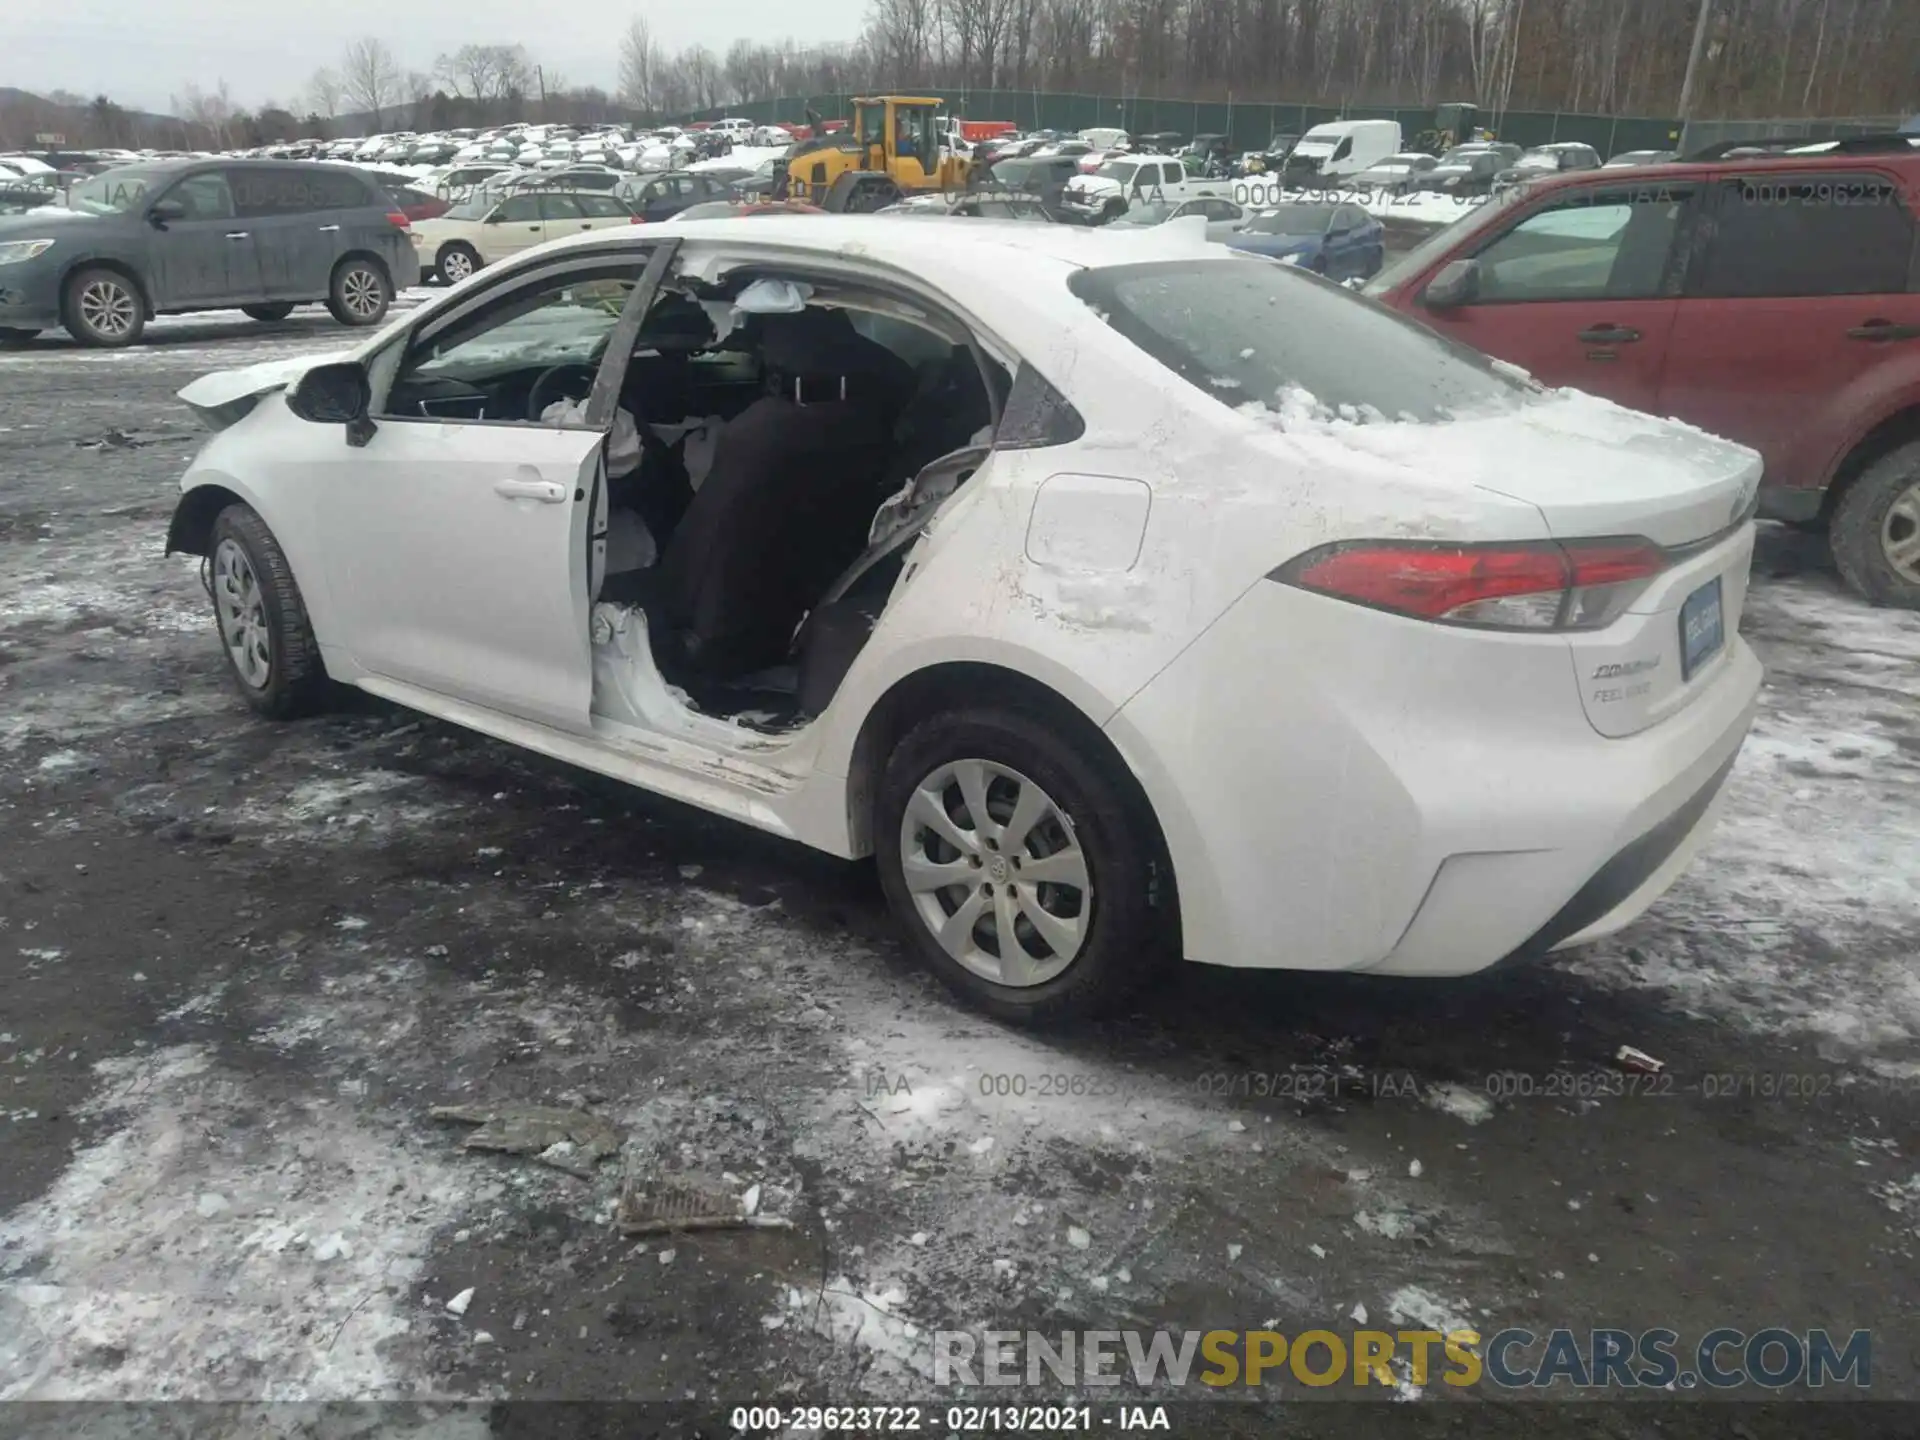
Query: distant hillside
column 23, row 115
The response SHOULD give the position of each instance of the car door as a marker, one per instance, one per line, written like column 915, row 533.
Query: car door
column 516, row 224
column 205, row 257
column 604, row 212
column 456, row 543
column 562, row 214
column 280, row 206
column 1803, row 286
column 1581, row 288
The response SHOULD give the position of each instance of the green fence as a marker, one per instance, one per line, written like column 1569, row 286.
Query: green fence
column 1248, row 127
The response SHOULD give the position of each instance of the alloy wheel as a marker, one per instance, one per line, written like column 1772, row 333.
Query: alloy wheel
column 361, row 292
column 456, row 266
column 108, row 308
column 996, row 872
column 1900, row 533
column 242, row 614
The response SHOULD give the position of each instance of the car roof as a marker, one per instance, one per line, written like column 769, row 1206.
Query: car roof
column 1906, row 162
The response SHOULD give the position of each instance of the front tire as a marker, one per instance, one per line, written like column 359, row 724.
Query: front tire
column 267, row 314
column 102, row 309
column 360, row 293
column 989, row 824
column 262, row 620
column 1875, row 532
column 456, row 262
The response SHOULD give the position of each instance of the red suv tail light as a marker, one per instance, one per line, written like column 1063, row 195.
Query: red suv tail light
column 398, row 219
column 1542, row 585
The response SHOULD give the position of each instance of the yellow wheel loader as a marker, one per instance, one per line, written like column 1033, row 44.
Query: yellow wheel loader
column 893, row 149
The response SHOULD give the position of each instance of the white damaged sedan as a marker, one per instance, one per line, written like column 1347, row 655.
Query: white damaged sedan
column 1125, row 600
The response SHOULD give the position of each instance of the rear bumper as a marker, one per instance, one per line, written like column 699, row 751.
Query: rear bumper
column 1791, row 503
column 1342, row 791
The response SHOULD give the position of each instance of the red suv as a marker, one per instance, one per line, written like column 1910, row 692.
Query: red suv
column 1773, row 299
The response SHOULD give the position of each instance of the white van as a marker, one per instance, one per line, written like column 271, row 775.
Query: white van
column 1344, row 147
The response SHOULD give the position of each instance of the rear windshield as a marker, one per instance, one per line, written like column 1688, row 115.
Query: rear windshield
column 1292, row 220
column 1261, row 333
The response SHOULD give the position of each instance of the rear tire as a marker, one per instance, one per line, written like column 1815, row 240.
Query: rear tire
column 1112, row 929
column 1876, row 530
column 262, row 619
column 103, row 309
column 267, row 314
column 10, row 336
column 360, row 293
column 456, row 261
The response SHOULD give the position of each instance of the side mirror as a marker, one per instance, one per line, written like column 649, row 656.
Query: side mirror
column 1458, row 283
column 331, row 394
column 163, row 212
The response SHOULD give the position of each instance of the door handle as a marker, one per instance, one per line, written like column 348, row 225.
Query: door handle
column 237, row 234
column 329, row 229
column 547, row 492
column 1884, row 330
column 1609, row 335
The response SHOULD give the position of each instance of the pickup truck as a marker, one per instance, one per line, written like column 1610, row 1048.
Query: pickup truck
column 1126, row 180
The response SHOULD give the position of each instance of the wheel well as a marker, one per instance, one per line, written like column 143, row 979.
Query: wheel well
column 118, row 268
column 970, row 683
column 191, row 530
column 353, row 255
column 1899, row 428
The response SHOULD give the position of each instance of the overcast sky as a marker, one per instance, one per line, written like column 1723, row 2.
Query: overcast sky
column 142, row 51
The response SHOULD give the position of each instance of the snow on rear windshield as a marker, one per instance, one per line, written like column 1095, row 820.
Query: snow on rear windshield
column 1297, row 345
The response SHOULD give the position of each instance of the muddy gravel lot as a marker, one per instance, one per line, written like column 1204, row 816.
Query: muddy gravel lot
column 241, row 963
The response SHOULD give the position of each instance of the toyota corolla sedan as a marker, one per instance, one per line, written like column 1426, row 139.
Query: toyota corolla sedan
column 1126, row 599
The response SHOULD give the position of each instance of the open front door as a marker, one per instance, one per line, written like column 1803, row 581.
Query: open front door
column 459, row 532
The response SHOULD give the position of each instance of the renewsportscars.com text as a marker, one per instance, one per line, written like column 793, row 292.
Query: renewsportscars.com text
column 1610, row 1359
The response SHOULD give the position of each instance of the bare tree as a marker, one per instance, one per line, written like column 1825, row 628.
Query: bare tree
column 370, row 78
column 323, row 93
column 640, row 65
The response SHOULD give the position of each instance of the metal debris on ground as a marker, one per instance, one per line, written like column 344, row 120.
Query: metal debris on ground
column 660, row 1207
column 570, row 1140
column 1628, row 1058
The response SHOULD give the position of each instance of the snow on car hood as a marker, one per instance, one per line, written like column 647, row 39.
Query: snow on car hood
column 210, row 392
column 1589, row 466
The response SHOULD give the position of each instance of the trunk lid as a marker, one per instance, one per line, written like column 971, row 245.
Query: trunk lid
column 1591, row 468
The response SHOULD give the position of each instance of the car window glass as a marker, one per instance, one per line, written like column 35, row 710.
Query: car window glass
column 1254, row 334
column 495, row 353
column 1343, row 149
column 559, row 207
column 206, row 196
column 519, row 208
column 290, row 191
column 1809, row 235
column 1612, row 245
column 600, row 207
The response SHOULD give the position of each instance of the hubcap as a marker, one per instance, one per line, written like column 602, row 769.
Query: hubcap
column 242, row 614
column 360, row 292
column 106, row 308
column 1900, row 533
column 457, row 265
column 996, row 872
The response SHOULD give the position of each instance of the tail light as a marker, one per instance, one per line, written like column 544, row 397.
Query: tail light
column 636, row 220
column 1544, row 585
column 398, row 219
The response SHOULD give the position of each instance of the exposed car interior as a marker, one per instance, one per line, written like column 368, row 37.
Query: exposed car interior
column 770, row 443
column 771, row 430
